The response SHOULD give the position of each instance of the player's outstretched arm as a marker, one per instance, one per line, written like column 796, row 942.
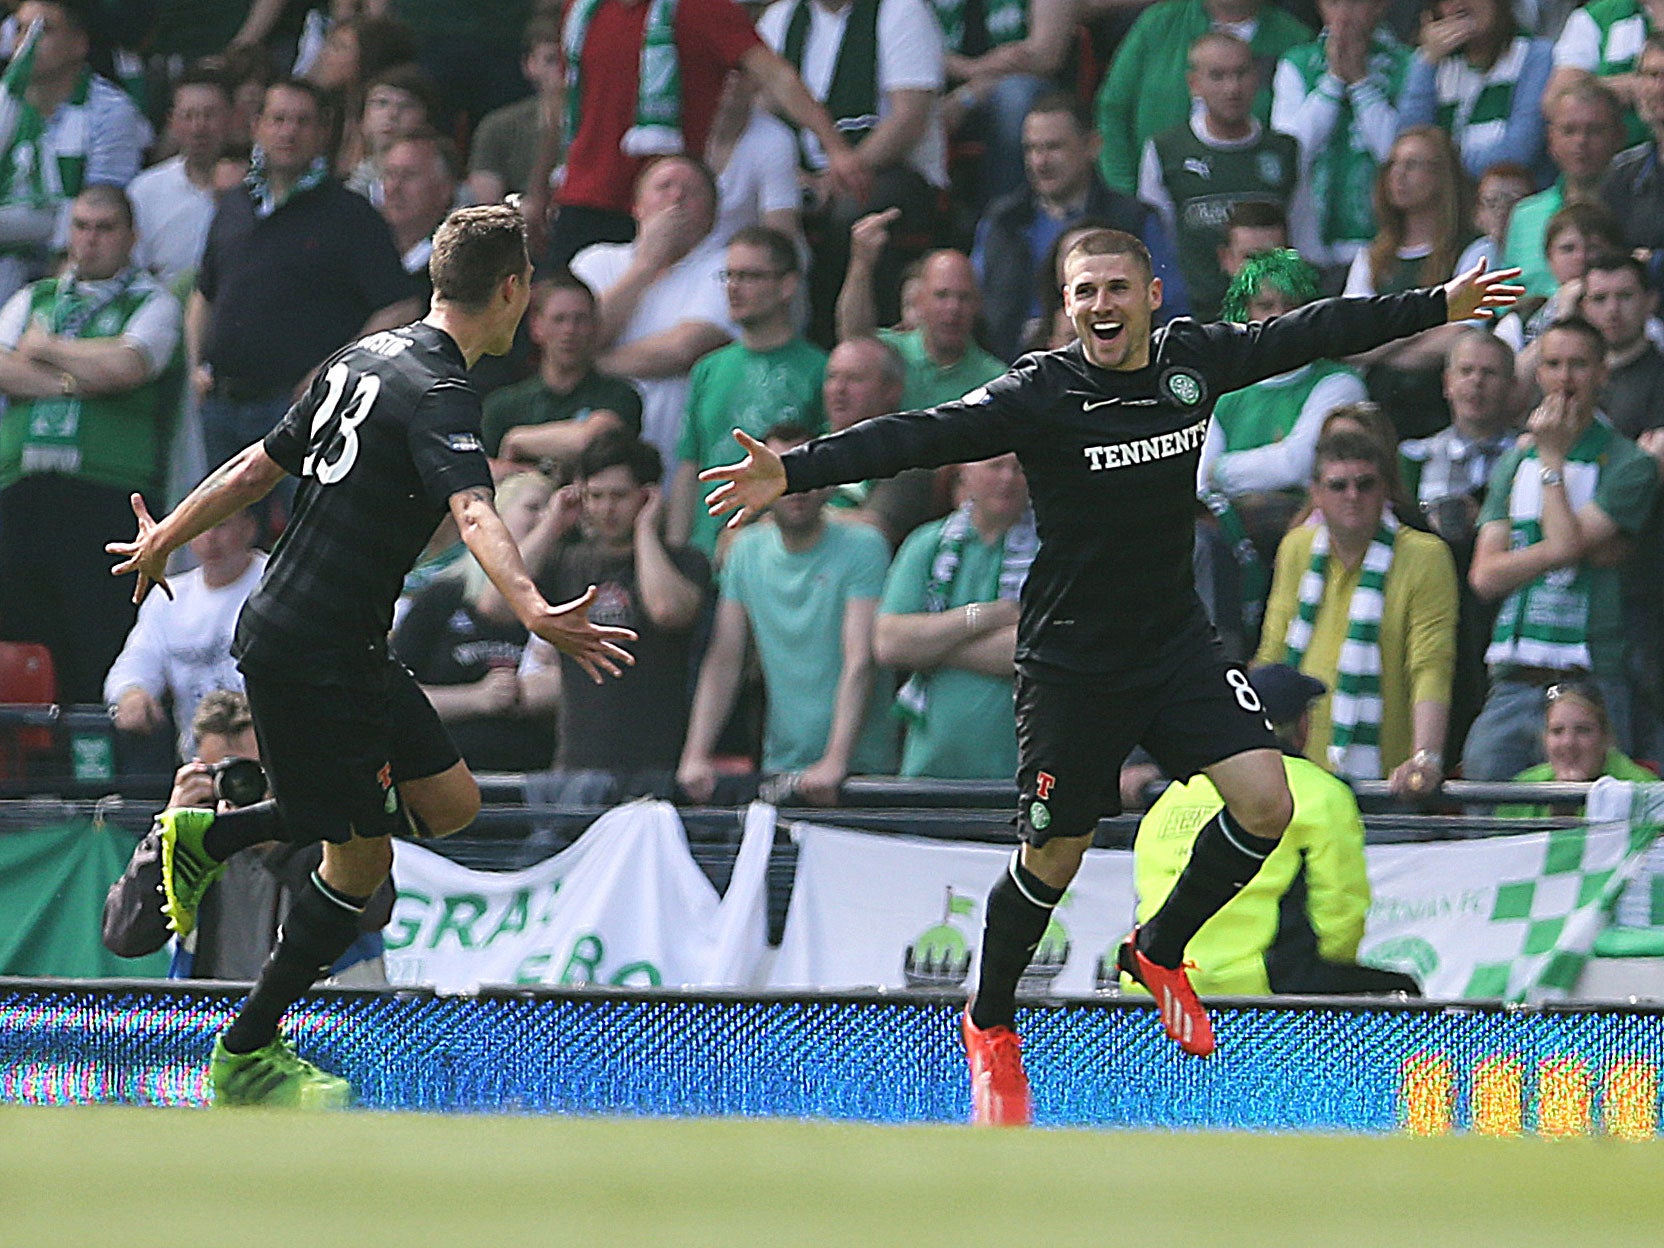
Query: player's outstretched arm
column 748, row 486
column 1481, row 292
column 245, row 478
column 597, row 648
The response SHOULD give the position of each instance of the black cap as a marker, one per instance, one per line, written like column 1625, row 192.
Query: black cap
column 1285, row 691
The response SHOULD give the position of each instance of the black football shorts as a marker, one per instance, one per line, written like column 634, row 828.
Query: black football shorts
column 334, row 755
column 1074, row 733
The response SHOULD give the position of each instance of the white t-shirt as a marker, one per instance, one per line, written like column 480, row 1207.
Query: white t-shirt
column 172, row 215
column 691, row 291
column 760, row 176
column 182, row 647
column 910, row 57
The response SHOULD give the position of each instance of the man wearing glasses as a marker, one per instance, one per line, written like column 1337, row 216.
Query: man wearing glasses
column 1367, row 606
column 772, row 374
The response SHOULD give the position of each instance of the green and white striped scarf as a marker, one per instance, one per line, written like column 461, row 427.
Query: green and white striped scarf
column 31, row 173
column 1020, row 544
column 1473, row 107
column 1545, row 622
column 1006, row 21
column 658, row 128
column 1355, row 706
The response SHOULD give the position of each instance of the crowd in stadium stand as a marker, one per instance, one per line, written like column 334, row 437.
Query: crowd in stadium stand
column 790, row 218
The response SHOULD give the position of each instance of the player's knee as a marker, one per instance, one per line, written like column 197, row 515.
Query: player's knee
column 1057, row 861
column 1265, row 814
column 357, row 867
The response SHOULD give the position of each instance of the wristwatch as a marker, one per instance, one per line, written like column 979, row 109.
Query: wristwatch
column 1552, row 476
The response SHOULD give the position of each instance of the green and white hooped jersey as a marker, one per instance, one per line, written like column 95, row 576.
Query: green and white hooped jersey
column 1473, row 107
column 1605, row 38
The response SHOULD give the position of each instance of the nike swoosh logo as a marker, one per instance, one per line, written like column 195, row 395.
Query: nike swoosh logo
column 1087, row 407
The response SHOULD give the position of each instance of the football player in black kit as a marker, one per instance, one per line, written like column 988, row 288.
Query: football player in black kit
column 386, row 441
column 1113, row 649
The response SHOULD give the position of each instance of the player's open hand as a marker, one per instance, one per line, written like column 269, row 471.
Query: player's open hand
column 594, row 647
column 748, row 486
column 142, row 555
column 1480, row 293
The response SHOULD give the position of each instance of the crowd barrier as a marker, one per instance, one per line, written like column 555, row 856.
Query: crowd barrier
column 1283, row 1065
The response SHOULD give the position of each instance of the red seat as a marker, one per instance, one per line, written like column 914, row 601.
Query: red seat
column 26, row 675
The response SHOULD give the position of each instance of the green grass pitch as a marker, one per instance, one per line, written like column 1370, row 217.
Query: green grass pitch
column 130, row 1178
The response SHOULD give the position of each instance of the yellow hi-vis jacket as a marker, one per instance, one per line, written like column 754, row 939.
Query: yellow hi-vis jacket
column 1326, row 836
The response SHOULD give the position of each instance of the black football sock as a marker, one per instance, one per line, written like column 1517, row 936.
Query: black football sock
column 321, row 923
column 1224, row 858
column 1019, row 907
column 236, row 830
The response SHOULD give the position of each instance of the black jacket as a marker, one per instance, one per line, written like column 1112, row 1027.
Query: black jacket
column 1008, row 281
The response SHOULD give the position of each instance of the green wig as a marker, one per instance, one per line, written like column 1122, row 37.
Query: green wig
column 1287, row 271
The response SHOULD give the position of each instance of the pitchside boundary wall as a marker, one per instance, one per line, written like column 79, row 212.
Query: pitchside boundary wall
column 1284, row 1064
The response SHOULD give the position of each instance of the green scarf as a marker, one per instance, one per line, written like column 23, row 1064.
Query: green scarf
column 32, row 173
column 259, row 184
column 1253, row 579
column 1545, row 622
column 1006, row 21
column 658, row 128
column 1355, row 707
column 1021, row 541
column 852, row 95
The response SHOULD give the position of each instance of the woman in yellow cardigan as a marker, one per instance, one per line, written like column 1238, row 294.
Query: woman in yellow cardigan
column 1367, row 606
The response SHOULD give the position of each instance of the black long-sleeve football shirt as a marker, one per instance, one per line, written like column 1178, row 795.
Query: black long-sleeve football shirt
column 1111, row 459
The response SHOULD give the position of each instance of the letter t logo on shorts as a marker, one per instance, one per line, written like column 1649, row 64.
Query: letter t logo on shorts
column 1043, row 785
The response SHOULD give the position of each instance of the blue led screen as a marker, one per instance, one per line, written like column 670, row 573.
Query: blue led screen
column 1332, row 1067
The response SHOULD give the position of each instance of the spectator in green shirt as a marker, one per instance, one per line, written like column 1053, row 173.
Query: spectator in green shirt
column 943, row 358
column 807, row 589
column 1144, row 92
column 568, row 402
column 1585, row 131
column 1555, row 519
column 949, row 616
column 771, row 374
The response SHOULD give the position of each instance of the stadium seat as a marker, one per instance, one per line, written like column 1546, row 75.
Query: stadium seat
column 28, row 677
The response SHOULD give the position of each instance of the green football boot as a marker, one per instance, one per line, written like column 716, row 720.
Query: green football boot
column 274, row 1075
column 187, row 870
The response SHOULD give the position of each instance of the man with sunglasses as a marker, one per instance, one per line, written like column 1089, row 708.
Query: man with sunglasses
column 1367, row 606
column 1114, row 648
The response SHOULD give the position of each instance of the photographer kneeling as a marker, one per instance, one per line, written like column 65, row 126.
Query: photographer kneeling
column 226, row 773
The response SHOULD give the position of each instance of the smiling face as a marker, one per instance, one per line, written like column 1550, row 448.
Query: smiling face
column 1110, row 299
column 1575, row 740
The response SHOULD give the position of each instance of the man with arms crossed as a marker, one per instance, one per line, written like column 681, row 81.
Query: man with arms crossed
column 385, row 441
column 1114, row 648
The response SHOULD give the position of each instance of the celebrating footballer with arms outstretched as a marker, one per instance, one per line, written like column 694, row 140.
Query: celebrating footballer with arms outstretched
column 386, row 442
column 1114, row 649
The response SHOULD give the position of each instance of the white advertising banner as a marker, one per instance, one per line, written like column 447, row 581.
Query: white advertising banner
column 1504, row 917
column 625, row 905
column 874, row 910
column 1507, row 917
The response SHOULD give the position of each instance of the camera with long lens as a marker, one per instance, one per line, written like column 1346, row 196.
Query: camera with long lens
column 238, row 781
